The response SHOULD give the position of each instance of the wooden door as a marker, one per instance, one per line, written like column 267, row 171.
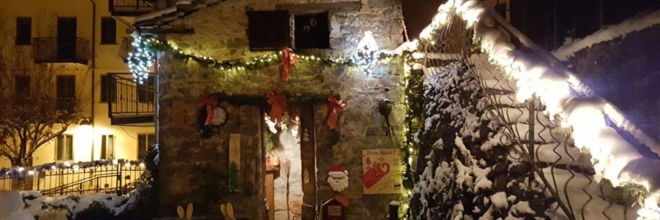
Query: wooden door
column 308, row 157
column 66, row 37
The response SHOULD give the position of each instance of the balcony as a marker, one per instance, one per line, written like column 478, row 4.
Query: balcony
column 130, row 7
column 54, row 50
column 128, row 102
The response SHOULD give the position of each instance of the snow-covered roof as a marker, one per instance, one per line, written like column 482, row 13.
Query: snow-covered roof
column 608, row 33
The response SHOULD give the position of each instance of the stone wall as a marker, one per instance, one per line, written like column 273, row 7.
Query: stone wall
column 220, row 32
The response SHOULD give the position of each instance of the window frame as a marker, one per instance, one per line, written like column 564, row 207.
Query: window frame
column 21, row 30
column 263, row 37
column 295, row 30
column 108, row 89
column 107, row 146
column 108, row 33
column 143, row 146
column 66, row 96
column 22, row 86
column 60, row 148
column 143, row 94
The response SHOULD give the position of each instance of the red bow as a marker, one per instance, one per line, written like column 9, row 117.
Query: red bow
column 211, row 102
column 335, row 106
column 288, row 58
column 277, row 105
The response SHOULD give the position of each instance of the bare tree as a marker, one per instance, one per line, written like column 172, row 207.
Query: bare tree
column 31, row 114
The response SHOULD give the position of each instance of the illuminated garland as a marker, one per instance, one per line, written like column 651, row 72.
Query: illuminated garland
column 145, row 48
column 413, row 102
column 29, row 171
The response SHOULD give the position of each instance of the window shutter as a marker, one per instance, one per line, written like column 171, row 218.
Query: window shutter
column 59, row 148
column 312, row 31
column 23, row 31
column 111, row 147
column 268, row 30
column 69, row 147
column 104, row 143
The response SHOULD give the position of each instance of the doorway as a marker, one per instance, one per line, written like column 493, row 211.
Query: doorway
column 290, row 176
column 66, row 37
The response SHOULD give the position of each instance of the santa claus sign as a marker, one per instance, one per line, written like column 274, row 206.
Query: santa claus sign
column 338, row 178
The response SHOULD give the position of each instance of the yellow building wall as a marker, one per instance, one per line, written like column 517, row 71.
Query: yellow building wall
column 44, row 15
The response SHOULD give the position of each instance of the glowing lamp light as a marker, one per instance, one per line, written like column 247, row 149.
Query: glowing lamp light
column 67, row 164
column 20, row 169
column 141, row 164
column 31, row 172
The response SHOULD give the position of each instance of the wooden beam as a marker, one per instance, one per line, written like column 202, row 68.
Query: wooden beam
column 336, row 6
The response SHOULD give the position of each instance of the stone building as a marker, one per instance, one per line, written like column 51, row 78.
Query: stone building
column 197, row 169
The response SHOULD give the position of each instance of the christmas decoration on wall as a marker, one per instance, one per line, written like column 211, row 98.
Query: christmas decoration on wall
column 210, row 115
column 381, row 171
column 277, row 102
column 338, row 178
column 141, row 59
column 227, row 211
column 367, row 52
column 187, row 214
column 385, row 109
column 145, row 48
column 288, row 58
column 333, row 209
column 335, row 107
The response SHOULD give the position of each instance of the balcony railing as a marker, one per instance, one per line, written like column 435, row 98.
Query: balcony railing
column 111, row 177
column 54, row 50
column 128, row 102
column 130, row 7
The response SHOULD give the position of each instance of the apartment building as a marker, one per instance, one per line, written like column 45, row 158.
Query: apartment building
column 83, row 43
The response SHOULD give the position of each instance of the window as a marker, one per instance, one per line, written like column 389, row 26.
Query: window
column 268, row 30
column 108, row 88
column 145, row 93
column 23, row 31
column 312, row 31
column 64, row 148
column 145, row 142
column 22, row 87
column 108, row 30
column 66, row 92
column 107, row 147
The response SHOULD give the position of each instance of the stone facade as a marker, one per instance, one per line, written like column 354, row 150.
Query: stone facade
column 189, row 163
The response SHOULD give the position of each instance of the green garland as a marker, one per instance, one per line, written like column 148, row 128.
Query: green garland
column 273, row 58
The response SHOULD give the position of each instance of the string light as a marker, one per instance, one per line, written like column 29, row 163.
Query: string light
column 141, row 59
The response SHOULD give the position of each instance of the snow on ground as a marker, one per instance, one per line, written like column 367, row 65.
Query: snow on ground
column 26, row 205
column 608, row 33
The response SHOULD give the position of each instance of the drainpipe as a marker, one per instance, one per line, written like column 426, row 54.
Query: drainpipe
column 93, row 73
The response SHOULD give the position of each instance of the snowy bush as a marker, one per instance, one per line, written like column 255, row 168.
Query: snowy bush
column 468, row 173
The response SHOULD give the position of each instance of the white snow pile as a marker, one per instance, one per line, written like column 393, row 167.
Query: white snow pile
column 30, row 204
column 607, row 34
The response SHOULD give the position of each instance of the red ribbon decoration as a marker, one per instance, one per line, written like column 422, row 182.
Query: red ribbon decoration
column 288, row 58
column 211, row 102
column 335, row 106
column 277, row 105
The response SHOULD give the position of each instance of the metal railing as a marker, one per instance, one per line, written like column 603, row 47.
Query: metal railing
column 129, row 98
column 554, row 163
column 112, row 177
column 130, row 7
column 54, row 50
